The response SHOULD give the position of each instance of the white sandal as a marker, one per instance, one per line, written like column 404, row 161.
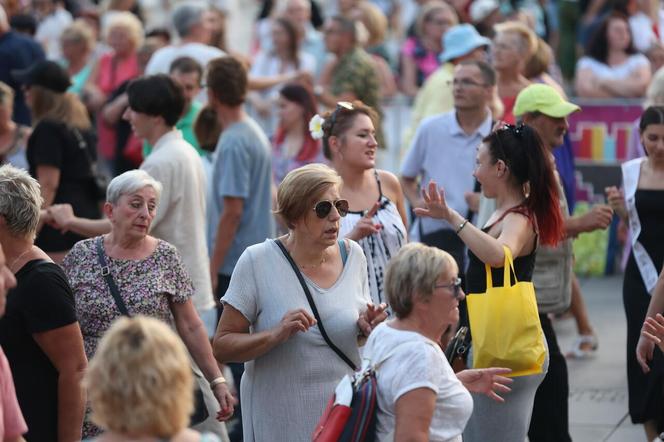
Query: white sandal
column 577, row 352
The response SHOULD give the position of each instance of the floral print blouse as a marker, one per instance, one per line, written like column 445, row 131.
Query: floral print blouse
column 146, row 286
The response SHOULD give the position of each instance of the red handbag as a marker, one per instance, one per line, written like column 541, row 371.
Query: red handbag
column 350, row 415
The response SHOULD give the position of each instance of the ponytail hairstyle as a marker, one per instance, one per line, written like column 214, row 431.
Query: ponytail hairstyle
column 336, row 122
column 522, row 150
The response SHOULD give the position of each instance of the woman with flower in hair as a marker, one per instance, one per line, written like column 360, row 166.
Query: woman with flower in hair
column 293, row 145
column 513, row 168
column 377, row 215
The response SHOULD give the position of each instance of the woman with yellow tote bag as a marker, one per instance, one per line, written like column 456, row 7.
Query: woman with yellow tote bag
column 513, row 168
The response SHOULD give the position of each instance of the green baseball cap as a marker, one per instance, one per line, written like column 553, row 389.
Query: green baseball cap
column 544, row 99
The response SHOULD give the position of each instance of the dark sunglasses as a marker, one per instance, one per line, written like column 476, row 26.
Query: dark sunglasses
column 323, row 208
column 341, row 106
column 455, row 287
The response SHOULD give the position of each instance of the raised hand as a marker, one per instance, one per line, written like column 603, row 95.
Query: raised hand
column 488, row 381
column 599, row 217
column 371, row 317
column 435, row 205
column 616, row 199
column 366, row 226
column 294, row 321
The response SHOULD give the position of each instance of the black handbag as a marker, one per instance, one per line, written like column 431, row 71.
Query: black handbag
column 200, row 413
column 99, row 179
column 457, row 350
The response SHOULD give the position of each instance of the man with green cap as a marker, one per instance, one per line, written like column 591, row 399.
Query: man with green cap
column 541, row 107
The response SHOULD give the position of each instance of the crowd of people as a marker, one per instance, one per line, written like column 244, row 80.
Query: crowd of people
column 183, row 215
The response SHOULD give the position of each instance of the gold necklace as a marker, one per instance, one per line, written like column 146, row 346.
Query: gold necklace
column 313, row 266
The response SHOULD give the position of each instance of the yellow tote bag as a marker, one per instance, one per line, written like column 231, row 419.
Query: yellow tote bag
column 505, row 325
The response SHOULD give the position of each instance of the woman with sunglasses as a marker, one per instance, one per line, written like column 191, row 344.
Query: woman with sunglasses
column 426, row 401
column 377, row 216
column 513, row 168
column 269, row 324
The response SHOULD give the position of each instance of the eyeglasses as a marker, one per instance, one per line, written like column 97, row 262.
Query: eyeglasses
column 342, row 105
column 465, row 83
column 438, row 22
column 323, row 208
column 455, row 287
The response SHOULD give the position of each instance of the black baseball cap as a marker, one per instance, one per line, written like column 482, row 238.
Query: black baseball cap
column 46, row 73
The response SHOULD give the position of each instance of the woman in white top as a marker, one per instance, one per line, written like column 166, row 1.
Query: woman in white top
column 377, row 217
column 612, row 68
column 420, row 398
column 268, row 323
column 285, row 61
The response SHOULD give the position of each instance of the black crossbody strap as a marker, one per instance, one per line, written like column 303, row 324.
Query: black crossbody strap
column 106, row 273
column 313, row 306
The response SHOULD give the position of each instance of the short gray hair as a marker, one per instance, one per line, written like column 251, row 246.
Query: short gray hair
column 188, row 14
column 20, row 201
column 413, row 273
column 130, row 182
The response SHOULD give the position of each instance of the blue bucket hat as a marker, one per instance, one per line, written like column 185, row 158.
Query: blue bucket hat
column 461, row 40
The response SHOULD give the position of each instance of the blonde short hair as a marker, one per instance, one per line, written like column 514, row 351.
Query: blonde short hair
column 127, row 21
column 374, row 21
column 541, row 60
column 412, row 273
column 79, row 32
column 526, row 35
column 430, row 8
column 20, row 201
column 300, row 189
column 140, row 379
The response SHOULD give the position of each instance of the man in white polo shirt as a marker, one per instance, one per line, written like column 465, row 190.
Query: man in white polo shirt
column 444, row 150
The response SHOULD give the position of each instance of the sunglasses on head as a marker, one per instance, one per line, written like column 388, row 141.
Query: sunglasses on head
column 323, row 208
column 342, row 105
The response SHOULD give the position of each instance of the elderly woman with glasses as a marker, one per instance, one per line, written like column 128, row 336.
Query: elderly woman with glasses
column 149, row 276
column 39, row 333
column 269, row 323
column 426, row 401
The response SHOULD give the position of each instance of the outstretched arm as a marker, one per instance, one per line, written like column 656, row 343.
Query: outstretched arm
column 516, row 233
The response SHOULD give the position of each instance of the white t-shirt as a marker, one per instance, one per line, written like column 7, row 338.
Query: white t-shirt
column 621, row 72
column 418, row 364
column 180, row 217
column 49, row 31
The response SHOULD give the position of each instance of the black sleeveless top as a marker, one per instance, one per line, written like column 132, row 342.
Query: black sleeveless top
column 523, row 265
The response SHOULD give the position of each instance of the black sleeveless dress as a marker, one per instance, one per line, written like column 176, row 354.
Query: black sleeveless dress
column 523, row 265
column 645, row 390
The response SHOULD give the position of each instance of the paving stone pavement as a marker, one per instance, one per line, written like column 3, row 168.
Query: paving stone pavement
column 598, row 386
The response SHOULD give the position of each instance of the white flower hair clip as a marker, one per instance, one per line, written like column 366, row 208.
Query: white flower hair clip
column 316, row 127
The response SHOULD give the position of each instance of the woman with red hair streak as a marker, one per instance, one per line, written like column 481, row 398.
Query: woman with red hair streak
column 512, row 167
column 292, row 144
